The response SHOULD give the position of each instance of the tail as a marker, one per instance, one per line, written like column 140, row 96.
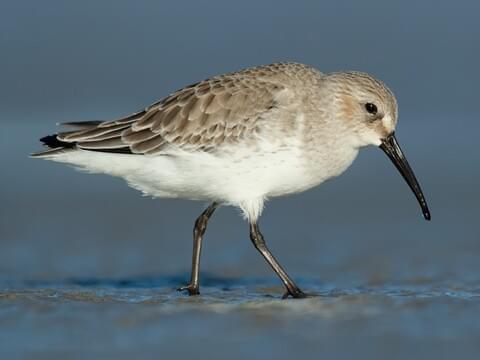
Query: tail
column 102, row 136
column 56, row 146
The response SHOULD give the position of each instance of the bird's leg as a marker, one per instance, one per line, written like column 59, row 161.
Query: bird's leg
column 259, row 243
column 198, row 231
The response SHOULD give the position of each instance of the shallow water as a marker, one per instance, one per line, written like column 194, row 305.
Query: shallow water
column 140, row 317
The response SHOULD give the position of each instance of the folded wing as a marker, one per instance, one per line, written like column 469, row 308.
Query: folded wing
column 200, row 117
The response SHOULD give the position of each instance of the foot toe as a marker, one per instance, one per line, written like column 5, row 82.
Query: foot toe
column 296, row 294
column 192, row 290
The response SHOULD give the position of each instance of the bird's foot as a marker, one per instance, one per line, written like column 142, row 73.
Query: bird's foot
column 192, row 289
column 294, row 293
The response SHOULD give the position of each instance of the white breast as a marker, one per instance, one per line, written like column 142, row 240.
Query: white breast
column 241, row 175
column 232, row 177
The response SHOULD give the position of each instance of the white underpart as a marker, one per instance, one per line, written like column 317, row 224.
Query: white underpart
column 240, row 176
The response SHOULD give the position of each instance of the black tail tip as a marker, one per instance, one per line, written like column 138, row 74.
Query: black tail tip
column 52, row 142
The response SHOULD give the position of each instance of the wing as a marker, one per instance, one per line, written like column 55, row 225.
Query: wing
column 224, row 109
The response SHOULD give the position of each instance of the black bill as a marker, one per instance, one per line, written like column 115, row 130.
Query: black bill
column 392, row 149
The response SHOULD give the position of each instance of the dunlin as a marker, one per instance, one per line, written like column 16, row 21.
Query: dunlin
column 239, row 139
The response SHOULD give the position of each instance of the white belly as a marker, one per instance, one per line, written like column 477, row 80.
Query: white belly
column 239, row 178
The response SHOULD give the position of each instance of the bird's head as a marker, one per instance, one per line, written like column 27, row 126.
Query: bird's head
column 367, row 112
column 365, row 107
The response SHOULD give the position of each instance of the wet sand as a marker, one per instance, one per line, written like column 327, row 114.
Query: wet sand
column 146, row 317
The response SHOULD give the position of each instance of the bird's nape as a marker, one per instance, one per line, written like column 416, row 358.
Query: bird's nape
column 391, row 147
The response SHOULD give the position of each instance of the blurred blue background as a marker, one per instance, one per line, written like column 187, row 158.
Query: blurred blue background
column 98, row 60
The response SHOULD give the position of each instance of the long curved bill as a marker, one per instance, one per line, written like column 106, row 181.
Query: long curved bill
column 392, row 149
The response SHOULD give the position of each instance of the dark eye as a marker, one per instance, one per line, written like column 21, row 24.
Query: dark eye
column 371, row 108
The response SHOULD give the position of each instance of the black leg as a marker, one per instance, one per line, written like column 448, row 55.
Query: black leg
column 259, row 243
column 198, row 231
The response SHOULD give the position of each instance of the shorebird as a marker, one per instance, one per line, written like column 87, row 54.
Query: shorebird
column 239, row 139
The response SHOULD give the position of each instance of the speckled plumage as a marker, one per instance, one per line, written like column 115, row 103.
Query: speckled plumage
column 225, row 109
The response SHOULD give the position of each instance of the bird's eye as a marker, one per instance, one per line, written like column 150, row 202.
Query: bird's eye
column 371, row 108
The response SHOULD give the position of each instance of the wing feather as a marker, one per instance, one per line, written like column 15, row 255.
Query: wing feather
column 113, row 143
column 203, row 116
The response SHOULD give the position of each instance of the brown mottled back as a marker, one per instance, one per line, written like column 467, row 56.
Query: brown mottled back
column 224, row 109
